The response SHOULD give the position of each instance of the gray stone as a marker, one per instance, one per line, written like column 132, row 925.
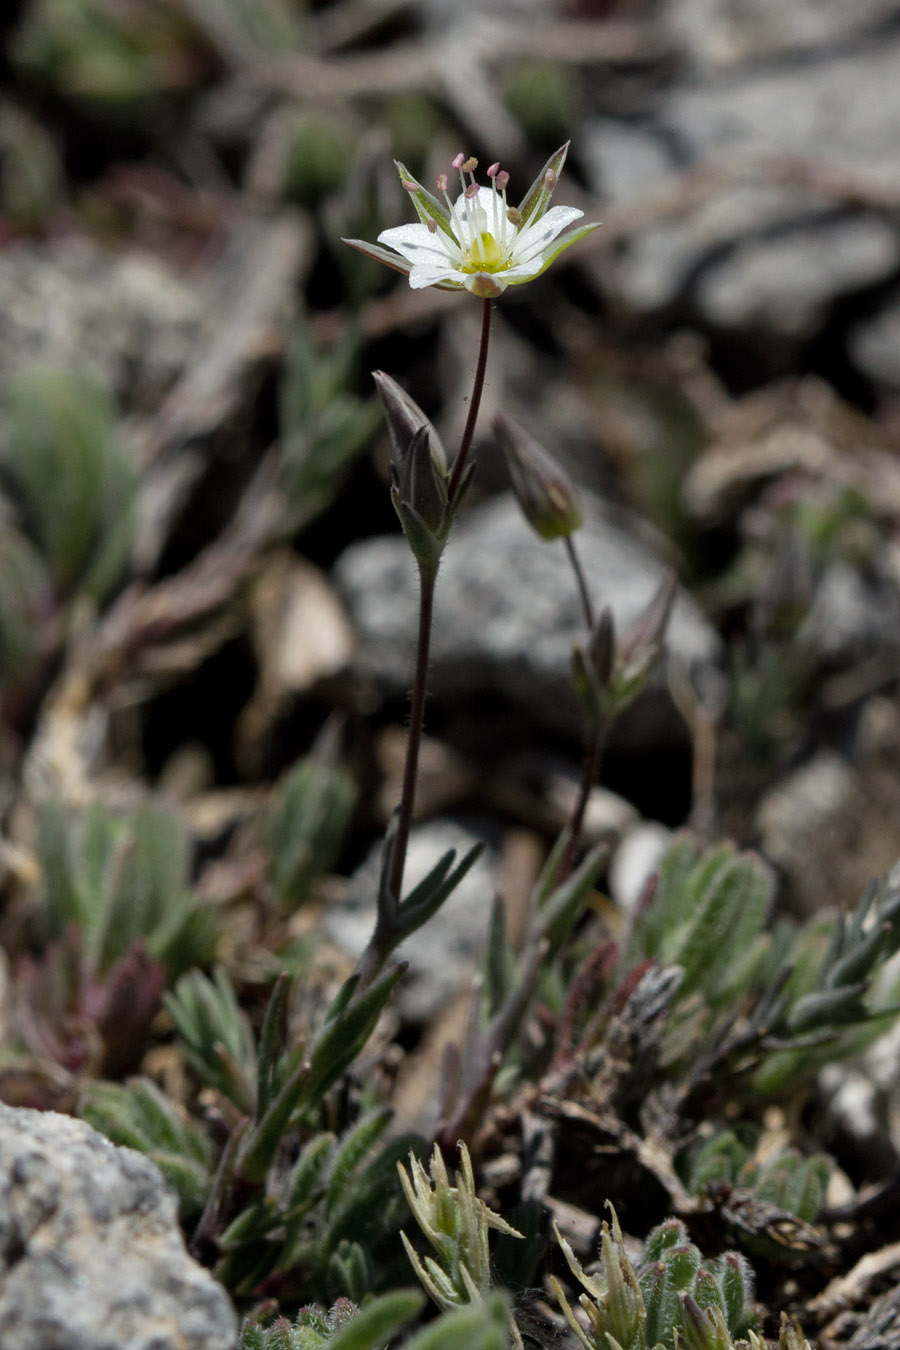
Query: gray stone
column 851, row 614
column 758, row 248
column 874, row 345
column 830, row 826
column 636, row 858
column 507, row 611
column 91, row 1255
column 445, row 953
column 129, row 319
column 718, row 33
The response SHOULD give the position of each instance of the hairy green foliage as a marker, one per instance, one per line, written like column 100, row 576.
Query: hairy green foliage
column 120, row 879
column 324, row 1223
column 706, row 915
column 121, row 923
column 24, row 590
column 809, row 995
column 672, row 1298
column 786, row 1180
column 456, row 1224
column 313, row 807
column 216, row 1035
column 75, row 485
column 323, row 427
column 343, row 1326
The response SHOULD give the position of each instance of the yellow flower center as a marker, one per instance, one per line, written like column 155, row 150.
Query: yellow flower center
column 484, row 256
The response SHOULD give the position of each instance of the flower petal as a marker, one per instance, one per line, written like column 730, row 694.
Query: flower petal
column 428, row 274
column 535, row 238
column 418, row 245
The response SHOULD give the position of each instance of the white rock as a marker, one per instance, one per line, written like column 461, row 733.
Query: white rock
column 91, row 1254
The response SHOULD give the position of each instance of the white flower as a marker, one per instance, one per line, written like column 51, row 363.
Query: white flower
column 479, row 243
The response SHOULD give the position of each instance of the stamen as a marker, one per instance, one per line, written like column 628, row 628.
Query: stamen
column 471, row 191
column 514, row 216
column 502, row 180
column 550, row 180
column 470, row 165
column 431, row 226
column 458, row 161
column 443, row 182
column 408, row 185
column 492, row 175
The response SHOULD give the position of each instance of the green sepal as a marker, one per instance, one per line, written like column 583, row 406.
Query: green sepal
column 428, row 207
column 536, row 200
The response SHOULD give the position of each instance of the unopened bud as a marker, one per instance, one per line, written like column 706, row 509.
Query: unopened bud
column 404, row 418
column 602, row 646
column 419, row 494
column 703, row 1329
column 640, row 647
column 546, row 493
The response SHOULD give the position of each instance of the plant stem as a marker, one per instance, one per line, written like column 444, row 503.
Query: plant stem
column 590, row 765
column 586, row 607
column 416, row 723
column 465, row 444
column 426, row 610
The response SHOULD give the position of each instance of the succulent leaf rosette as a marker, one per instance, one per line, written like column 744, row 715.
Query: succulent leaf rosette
column 479, row 243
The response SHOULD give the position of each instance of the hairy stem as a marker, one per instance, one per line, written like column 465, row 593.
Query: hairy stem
column 465, row 444
column 590, row 765
column 416, row 723
column 587, row 608
column 426, row 610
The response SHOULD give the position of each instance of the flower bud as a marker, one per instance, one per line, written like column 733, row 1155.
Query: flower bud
column 419, row 494
column 640, row 647
column 702, row 1328
column 404, row 418
column 546, row 493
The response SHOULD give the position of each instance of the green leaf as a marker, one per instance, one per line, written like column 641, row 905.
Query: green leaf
column 271, row 1039
column 427, row 898
column 306, row 829
column 76, row 487
column 217, row 1036
column 564, row 905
